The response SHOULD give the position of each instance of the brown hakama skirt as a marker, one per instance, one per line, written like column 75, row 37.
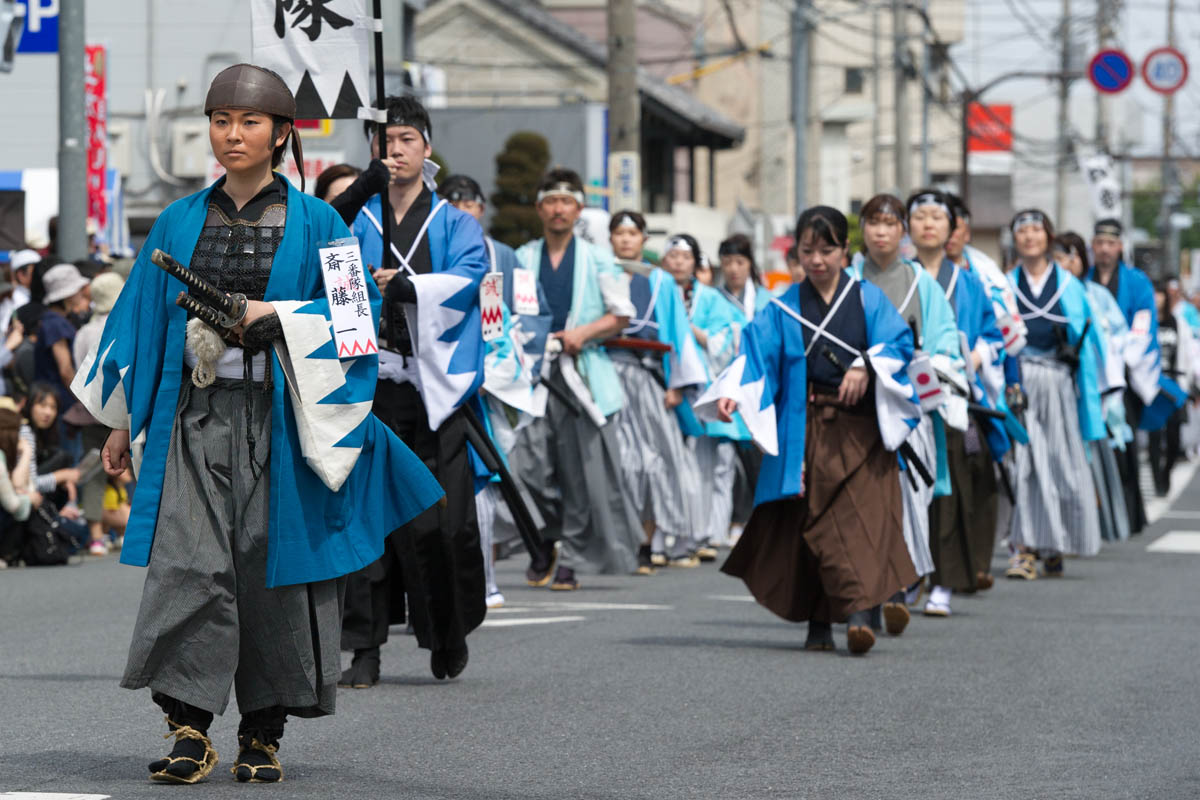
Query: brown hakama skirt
column 840, row 548
column 962, row 525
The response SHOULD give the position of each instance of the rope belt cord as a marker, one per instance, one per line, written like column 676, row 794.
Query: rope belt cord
column 817, row 331
column 406, row 261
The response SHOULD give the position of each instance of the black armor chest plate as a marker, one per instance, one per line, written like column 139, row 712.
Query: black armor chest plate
column 237, row 247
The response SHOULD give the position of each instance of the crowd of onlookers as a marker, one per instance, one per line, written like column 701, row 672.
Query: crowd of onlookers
column 55, row 498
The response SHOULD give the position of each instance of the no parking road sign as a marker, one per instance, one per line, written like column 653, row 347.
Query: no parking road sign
column 1111, row 71
column 1165, row 70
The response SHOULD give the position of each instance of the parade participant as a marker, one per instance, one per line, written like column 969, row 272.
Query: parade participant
column 923, row 306
column 1154, row 396
column 569, row 459
column 821, row 382
column 430, row 366
column 662, row 479
column 260, row 483
column 795, row 268
column 1057, row 511
column 716, row 325
column 740, row 281
column 335, row 180
column 1071, row 253
column 510, row 371
column 1175, row 343
column 962, row 524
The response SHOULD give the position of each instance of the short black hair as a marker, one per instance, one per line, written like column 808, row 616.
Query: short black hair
column 960, row 208
column 826, row 223
column 884, row 205
column 460, row 187
column 634, row 216
column 331, row 174
column 561, row 175
column 403, row 110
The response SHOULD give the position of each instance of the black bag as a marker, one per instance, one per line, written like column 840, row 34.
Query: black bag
column 46, row 543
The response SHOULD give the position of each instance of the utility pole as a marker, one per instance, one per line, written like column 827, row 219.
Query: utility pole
column 624, row 108
column 1170, row 199
column 903, row 149
column 1104, row 38
column 1064, row 96
column 801, row 31
column 72, row 243
column 876, row 94
column 925, row 52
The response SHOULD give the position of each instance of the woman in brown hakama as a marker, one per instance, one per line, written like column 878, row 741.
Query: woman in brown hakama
column 825, row 541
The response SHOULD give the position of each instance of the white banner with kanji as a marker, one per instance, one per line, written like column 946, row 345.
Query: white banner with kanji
column 320, row 48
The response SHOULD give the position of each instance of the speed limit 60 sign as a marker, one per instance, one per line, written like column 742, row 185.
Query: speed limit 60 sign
column 1165, row 70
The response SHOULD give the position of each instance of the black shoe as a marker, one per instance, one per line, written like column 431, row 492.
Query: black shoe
column 364, row 670
column 256, row 762
column 190, row 760
column 448, row 663
column 564, row 580
column 644, row 565
column 820, row 636
column 541, row 566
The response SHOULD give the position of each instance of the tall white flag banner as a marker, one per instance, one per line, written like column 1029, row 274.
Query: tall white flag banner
column 1101, row 175
column 320, row 48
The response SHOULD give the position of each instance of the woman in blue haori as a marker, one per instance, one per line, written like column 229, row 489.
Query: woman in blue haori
column 1071, row 253
column 662, row 479
column 962, row 524
column 742, row 285
column 263, row 478
column 716, row 324
column 1056, row 510
column 922, row 304
column 821, row 381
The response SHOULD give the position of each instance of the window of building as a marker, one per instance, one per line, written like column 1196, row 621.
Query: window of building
column 854, row 80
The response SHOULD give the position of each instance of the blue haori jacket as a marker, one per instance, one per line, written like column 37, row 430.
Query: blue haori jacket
column 340, row 480
column 768, row 379
column 1161, row 395
column 444, row 324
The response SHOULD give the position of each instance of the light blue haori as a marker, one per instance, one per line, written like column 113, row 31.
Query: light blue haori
column 340, row 480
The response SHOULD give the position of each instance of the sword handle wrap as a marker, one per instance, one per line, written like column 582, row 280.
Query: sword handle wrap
column 230, row 310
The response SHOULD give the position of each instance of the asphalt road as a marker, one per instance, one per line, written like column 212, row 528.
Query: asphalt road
column 674, row 686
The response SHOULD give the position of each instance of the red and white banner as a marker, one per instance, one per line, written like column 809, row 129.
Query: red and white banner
column 96, row 109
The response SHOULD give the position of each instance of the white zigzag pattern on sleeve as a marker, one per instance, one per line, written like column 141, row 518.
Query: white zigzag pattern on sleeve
column 759, row 421
column 320, row 426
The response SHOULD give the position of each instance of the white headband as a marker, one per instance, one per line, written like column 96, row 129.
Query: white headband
column 626, row 221
column 1029, row 218
column 561, row 190
column 928, row 200
column 677, row 243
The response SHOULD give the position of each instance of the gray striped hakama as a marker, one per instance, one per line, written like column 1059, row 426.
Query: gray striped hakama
column 1056, row 508
column 207, row 620
column 717, row 461
column 1114, row 516
column 916, row 501
column 661, row 478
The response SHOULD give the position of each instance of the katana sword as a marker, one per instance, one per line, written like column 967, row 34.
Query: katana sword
column 510, row 490
column 227, row 310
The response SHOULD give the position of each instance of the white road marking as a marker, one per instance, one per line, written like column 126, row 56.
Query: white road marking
column 737, row 598
column 53, row 796
column 1181, row 476
column 1176, row 542
column 511, row 623
column 1181, row 515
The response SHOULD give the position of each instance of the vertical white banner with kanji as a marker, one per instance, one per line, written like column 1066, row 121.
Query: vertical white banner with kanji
column 1105, row 187
column 320, row 48
column 349, row 304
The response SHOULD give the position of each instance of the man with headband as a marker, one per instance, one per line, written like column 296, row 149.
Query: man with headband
column 247, row 526
column 569, row 459
column 1155, row 397
column 430, row 365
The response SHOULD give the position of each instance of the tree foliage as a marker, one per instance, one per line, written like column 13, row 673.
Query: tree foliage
column 519, row 169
